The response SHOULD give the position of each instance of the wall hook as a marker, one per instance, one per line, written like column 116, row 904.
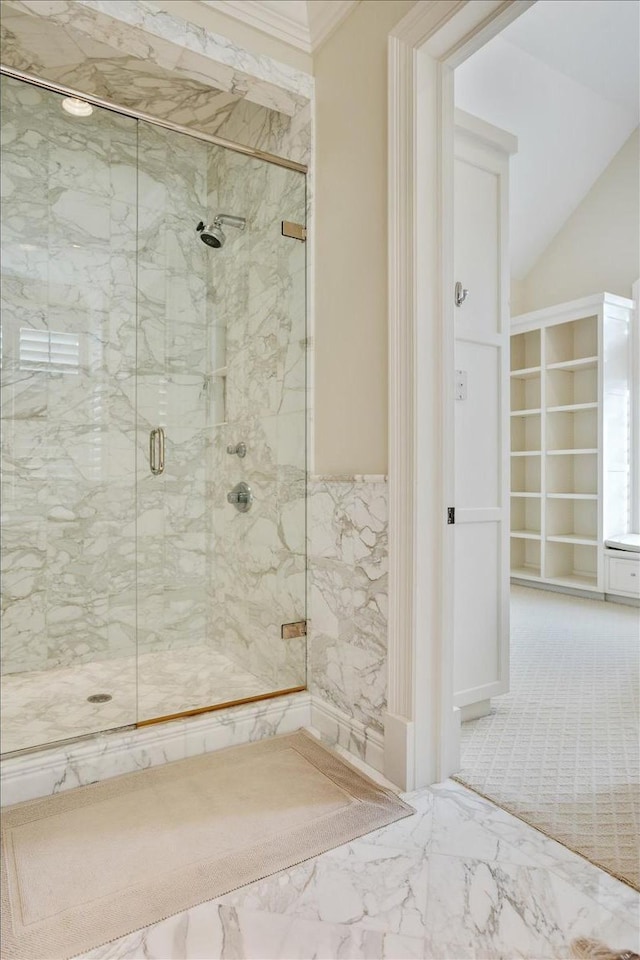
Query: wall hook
column 460, row 294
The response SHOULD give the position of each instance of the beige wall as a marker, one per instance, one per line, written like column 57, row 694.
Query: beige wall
column 244, row 36
column 351, row 242
column 598, row 248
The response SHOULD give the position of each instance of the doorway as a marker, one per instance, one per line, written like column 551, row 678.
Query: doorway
column 421, row 732
column 556, row 743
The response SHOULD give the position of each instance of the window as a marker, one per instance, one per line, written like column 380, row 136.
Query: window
column 49, row 351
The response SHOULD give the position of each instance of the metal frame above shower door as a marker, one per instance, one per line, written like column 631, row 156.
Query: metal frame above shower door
column 155, row 121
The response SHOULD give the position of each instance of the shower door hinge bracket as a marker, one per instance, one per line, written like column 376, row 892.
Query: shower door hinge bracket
column 289, row 631
column 451, row 514
column 294, row 230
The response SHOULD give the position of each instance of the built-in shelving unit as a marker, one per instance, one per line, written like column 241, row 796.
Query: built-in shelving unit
column 569, row 439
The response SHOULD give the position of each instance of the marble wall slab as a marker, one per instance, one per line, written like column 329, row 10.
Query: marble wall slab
column 258, row 293
column 68, row 345
column 251, row 70
column 111, row 50
column 348, row 567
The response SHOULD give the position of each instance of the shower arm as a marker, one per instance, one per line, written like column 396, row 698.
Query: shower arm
column 229, row 221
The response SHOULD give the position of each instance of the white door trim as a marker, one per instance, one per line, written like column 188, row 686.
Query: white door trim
column 421, row 744
column 635, row 409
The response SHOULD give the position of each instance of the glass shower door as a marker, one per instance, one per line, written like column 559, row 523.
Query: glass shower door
column 258, row 283
column 68, row 443
column 222, row 387
column 173, row 412
column 153, row 422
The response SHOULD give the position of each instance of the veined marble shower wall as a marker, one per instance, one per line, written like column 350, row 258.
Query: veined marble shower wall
column 117, row 320
column 68, row 421
column 258, row 299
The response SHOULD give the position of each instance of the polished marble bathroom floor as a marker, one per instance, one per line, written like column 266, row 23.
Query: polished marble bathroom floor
column 49, row 705
column 461, row 879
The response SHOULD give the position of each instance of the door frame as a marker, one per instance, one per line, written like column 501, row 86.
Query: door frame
column 422, row 732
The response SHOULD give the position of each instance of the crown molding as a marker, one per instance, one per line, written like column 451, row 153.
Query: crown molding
column 323, row 17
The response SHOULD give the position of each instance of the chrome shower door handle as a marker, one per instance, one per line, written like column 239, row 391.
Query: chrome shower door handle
column 156, row 451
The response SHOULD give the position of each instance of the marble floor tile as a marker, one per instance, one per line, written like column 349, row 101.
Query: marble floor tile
column 499, row 909
column 460, row 879
column 493, row 823
column 255, row 935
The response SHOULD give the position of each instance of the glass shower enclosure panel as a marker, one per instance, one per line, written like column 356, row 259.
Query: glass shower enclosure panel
column 174, row 414
column 258, row 289
column 69, row 211
column 154, row 406
column 221, row 427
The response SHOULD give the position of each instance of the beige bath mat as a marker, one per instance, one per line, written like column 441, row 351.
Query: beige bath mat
column 84, row 867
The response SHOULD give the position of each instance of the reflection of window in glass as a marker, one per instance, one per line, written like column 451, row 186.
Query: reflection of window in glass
column 163, row 401
column 50, row 351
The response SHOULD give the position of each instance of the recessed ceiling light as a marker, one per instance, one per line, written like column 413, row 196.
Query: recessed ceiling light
column 77, row 108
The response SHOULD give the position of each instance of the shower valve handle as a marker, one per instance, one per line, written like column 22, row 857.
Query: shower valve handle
column 241, row 497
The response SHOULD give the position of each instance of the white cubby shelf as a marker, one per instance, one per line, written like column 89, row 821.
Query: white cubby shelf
column 570, row 423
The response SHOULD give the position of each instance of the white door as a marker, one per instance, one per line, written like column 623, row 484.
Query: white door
column 481, row 500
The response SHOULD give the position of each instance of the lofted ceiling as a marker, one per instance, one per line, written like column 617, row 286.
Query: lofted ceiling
column 564, row 79
column 595, row 42
column 302, row 23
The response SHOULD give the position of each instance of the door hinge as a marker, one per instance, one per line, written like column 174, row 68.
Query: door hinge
column 289, row 631
column 294, row 230
column 451, row 514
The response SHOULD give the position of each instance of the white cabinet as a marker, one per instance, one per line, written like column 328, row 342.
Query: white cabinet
column 570, row 427
column 623, row 576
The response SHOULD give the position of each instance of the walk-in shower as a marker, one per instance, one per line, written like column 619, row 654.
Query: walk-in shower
column 134, row 586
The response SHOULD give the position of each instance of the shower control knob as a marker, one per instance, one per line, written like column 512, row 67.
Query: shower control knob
column 238, row 448
column 241, row 497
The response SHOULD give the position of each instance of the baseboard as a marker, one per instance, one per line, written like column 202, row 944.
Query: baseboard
column 399, row 752
column 338, row 728
column 51, row 770
column 558, row 588
column 576, row 592
column 473, row 711
column 627, row 601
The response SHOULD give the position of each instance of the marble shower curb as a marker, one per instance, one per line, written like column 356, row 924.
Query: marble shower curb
column 63, row 767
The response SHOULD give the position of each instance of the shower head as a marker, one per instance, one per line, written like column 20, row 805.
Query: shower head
column 212, row 234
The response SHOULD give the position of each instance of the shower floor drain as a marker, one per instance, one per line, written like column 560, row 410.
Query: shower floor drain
column 100, row 698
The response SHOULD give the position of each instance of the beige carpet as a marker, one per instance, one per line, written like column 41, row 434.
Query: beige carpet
column 561, row 750
column 84, row 867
